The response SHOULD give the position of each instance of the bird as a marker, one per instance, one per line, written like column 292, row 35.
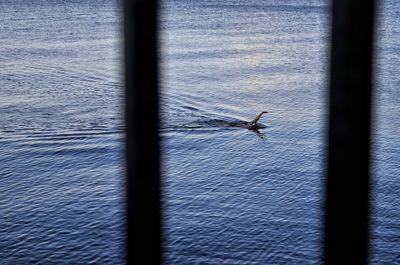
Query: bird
column 253, row 125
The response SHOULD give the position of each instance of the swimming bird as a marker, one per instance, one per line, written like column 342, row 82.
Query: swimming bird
column 253, row 125
column 250, row 125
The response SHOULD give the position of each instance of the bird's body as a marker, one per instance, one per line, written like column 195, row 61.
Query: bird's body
column 250, row 125
column 253, row 125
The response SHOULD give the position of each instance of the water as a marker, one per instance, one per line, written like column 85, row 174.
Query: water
column 230, row 195
column 236, row 197
column 385, row 231
column 233, row 196
column 61, row 194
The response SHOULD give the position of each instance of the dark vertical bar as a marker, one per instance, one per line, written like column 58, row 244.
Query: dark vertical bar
column 143, row 244
column 347, row 209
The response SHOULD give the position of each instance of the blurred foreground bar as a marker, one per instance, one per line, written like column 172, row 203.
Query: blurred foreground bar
column 143, row 245
column 347, row 197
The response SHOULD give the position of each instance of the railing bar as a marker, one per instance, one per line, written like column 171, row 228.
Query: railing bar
column 143, row 244
column 347, row 191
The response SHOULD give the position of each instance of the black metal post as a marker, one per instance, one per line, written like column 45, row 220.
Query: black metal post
column 347, row 197
column 143, row 245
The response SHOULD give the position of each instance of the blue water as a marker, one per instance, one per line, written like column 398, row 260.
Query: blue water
column 230, row 195
column 233, row 196
column 61, row 193
column 385, row 223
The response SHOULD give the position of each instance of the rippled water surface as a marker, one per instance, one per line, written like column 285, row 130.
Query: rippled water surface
column 385, row 223
column 234, row 196
column 230, row 195
column 60, row 133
